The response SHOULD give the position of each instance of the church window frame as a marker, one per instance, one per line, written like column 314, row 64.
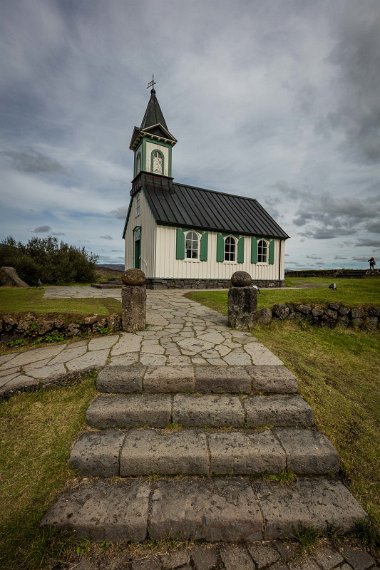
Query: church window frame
column 230, row 249
column 192, row 245
column 262, row 251
column 156, row 152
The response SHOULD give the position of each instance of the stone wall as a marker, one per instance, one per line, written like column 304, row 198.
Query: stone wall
column 331, row 315
column 31, row 325
column 157, row 283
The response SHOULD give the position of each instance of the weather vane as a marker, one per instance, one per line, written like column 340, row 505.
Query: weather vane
column 151, row 83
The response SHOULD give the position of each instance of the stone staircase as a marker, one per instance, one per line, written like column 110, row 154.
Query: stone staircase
column 213, row 453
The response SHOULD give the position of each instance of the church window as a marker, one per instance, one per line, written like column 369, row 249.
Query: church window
column 262, row 251
column 138, row 163
column 192, row 245
column 230, row 249
column 157, row 162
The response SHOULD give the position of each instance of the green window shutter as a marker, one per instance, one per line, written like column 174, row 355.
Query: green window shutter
column 180, row 244
column 271, row 252
column 219, row 247
column 240, row 250
column 204, row 245
column 254, row 250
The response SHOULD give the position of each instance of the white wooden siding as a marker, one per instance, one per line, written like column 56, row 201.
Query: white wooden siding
column 167, row 266
column 148, row 236
column 165, row 151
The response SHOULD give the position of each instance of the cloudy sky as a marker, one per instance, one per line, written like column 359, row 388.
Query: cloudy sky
column 276, row 100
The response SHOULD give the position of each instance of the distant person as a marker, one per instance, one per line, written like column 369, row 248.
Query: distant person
column 372, row 263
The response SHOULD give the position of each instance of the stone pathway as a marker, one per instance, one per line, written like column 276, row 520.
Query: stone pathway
column 180, row 332
column 194, row 429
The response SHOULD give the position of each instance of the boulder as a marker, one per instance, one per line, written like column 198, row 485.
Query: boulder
column 9, row 278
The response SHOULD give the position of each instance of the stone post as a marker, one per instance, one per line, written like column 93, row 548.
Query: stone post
column 242, row 301
column 133, row 298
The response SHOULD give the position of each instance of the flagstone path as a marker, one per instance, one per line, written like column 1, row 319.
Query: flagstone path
column 191, row 419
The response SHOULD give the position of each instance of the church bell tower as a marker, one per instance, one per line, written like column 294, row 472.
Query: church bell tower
column 152, row 142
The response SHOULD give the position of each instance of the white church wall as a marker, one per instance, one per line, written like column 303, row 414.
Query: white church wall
column 145, row 220
column 167, row 266
column 165, row 151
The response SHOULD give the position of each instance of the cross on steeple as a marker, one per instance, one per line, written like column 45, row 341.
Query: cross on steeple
column 151, row 83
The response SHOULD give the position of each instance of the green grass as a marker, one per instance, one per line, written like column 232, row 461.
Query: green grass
column 353, row 292
column 15, row 300
column 338, row 372
column 36, row 432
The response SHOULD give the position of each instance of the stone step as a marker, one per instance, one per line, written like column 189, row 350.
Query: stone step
column 211, row 509
column 205, row 379
column 140, row 452
column 193, row 410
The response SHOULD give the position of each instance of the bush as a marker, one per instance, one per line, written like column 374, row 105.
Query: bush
column 48, row 260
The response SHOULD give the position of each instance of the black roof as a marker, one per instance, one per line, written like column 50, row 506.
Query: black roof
column 153, row 114
column 187, row 206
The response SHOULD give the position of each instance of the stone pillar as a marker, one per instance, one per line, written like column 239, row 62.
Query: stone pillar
column 242, row 301
column 133, row 298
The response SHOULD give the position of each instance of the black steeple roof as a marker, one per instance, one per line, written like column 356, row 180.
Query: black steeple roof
column 153, row 114
column 153, row 124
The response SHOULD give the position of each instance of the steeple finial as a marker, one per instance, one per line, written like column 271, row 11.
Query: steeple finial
column 152, row 84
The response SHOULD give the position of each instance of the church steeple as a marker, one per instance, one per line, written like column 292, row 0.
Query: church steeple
column 152, row 142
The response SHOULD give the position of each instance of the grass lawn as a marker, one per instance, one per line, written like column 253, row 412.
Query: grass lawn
column 338, row 374
column 36, row 432
column 365, row 291
column 17, row 300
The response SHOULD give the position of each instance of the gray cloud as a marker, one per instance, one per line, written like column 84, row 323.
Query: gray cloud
column 32, row 161
column 107, row 237
column 313, row 257
column 339, row 257
column 368, row 243
column 42, row 230
column 58, row 233
column 120, row 213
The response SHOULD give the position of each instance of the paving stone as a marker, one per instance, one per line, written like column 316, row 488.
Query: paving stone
column 93, row 359
column 19, row 383
column 223, row 350
column 288, row 550
column 227, row 379
column 213, row 337
column 238, row 357
column 194, row 345
column 77, row 344
column 103, row 343
column 47, row 372
column 8, row 371
column 210, row 509
column 97, row 453
column 103, row 510
column 69, row 354
column 125, row 359
column 236, row 557
column 308, row 452
column 263, row 554
column 261, row 355
column 327, row 558
column 6, row 357
column 169, row 379
column 30, row 356
column 175, row 559
column 358, row 559
column 308, row 502
column 153, row 359
column 245, row 454
column 165, row 453
column 119, row 378
column 278, row 410
column 152, row 349
column 273, row 379
column 215, row 362
column 179, row 360
column 130, row 411
column 7, row 377
column 204, row 557
column 35, row 365
column 127, row 343
column 207, row 410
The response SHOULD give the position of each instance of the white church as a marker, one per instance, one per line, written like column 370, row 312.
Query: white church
column 182, row 236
